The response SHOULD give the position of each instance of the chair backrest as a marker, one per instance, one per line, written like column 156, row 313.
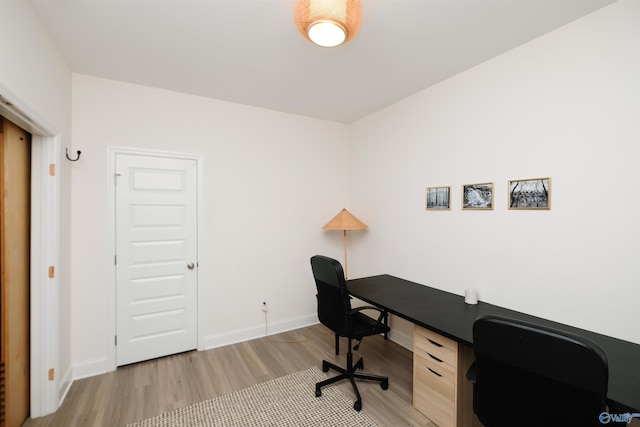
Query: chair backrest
column 528, row 375
column 333, row 297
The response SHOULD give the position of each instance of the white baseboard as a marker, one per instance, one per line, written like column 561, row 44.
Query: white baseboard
column 90, row 368
column 240, row 335
column 65, row 384
column 100, row 366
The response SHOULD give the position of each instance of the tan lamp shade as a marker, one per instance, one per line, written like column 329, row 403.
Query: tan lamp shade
column 328, row 23
column 345, row 221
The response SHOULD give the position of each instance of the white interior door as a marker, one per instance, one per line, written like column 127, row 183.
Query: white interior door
column 156, row 256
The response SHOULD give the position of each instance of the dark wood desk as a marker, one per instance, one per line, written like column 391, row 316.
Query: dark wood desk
column 448, row 315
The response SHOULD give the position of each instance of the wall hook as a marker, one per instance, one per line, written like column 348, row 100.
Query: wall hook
column 69, row 158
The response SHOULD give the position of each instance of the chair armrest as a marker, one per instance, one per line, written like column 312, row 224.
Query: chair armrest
column 471, row 373
column 383, row 313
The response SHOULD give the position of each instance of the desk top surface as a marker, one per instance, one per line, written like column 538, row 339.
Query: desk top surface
column 448, row 315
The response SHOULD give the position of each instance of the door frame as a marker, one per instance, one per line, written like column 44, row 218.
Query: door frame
column 113, row 151
column 46, row 392
column 48, row 385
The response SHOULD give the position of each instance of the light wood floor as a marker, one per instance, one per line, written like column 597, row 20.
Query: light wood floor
column 146, row 389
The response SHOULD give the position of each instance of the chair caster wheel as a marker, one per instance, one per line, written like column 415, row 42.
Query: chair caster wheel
column 325, row 367
column 384, row 384
column 358, row 405
column 318, row 393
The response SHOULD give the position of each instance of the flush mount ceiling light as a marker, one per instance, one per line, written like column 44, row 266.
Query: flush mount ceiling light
column 328, row 23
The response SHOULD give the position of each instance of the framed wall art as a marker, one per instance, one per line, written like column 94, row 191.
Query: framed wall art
column 438, row 198
column 534, row 193
column 477, row 196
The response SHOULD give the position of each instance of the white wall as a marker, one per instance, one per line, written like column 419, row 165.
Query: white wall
column 272, row 180
column 565, row 106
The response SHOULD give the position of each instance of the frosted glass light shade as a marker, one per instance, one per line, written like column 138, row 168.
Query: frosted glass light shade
column 326, row 34
column 328, row 23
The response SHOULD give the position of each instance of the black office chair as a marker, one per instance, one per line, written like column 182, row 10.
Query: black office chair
column 529, row 375
column 335, row 312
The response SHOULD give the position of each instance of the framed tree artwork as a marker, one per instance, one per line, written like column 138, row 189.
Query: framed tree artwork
column 534, row 193
column 477, row 196
column 438, row 198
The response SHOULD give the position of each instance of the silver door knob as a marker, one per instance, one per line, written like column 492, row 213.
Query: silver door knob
column 190, row 266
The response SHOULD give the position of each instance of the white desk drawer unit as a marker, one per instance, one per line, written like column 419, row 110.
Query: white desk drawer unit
column 439, row 369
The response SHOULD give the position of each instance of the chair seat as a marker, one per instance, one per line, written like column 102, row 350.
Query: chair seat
column 364, row 325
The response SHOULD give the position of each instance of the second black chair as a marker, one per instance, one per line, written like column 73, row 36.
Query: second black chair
column 529, row 375
column 335, row 312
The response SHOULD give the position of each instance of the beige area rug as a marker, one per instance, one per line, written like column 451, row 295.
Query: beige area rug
column 285, row 401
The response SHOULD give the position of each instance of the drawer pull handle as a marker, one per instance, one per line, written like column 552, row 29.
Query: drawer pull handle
column 434, row 372
column 434, row 358
column 434, row 343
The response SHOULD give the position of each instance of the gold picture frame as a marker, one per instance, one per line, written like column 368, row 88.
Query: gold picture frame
column 437, row 198
column 477, row 196
column 529, row 194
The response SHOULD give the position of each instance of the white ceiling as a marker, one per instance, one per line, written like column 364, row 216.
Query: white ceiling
column 249, row 51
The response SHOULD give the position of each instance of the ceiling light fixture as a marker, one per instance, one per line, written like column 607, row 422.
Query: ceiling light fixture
column 328, row 23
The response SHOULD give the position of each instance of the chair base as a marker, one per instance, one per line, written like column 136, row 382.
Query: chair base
column 351, row 374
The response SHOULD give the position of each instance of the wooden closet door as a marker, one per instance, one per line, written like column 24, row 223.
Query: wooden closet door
column 15, row 179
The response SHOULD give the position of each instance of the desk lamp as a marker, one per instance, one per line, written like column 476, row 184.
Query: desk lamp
column 345, row 221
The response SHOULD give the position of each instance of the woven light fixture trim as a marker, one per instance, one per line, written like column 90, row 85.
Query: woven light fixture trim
column 345, row 221
column 345, row 14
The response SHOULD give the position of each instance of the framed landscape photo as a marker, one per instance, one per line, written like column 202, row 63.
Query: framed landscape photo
column 534, row 193
column 477, row 196
column 438, row 198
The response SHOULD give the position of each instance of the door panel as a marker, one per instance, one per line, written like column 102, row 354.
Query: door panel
column 156, row 267
column 15, row 182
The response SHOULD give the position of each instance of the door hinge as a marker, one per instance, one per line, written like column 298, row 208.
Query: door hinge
column 52, row 374
column 52, row 272
column 116, row 340
column 115, row 260
column 115, row 178
column 52, row 169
